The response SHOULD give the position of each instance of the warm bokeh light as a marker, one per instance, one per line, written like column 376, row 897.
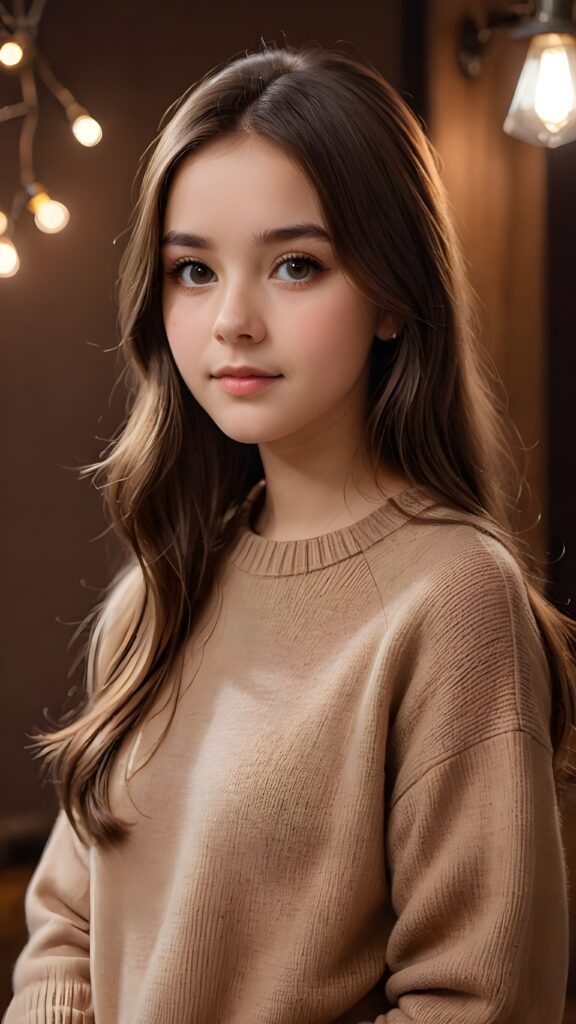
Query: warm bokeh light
column 3, row 222
column 11, row 54
column 87, row 130
column 49, row 215
column 543, row 110
column 9, row 261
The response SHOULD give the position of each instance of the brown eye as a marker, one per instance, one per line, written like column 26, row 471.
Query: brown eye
column 300, row 269
column 192, row 273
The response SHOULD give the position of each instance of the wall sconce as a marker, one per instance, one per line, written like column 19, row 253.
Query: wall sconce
column 543, row 109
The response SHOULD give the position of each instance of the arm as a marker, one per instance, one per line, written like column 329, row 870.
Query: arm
column 474, row 851
column 479, row 889
column 51, row 977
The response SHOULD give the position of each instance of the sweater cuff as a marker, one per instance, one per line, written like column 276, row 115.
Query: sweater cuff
column 52, row 1002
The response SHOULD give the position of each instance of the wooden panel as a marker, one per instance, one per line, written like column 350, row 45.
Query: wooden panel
column 498, row 189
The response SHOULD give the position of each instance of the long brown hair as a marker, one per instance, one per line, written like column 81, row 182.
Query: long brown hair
column 174, row 482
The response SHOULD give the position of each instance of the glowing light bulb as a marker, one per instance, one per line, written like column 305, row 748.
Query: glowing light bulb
column 11, row 54
column 87, row 130
column 49, row 215
column 554, row 96
column 543, row 110
column 9, row 261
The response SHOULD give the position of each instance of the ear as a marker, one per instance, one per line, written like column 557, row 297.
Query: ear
column 388, row 326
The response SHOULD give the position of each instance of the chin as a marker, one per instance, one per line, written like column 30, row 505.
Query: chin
column 241, row 424
column 246, row 436
column 249, row 435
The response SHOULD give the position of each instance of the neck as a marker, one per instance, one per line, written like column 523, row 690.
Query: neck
column 308, row 504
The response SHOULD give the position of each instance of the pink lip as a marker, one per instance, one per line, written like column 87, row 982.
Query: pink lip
column 244, row 385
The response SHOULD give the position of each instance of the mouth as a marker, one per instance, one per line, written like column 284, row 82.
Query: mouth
column 245, row 376
column 245, row 385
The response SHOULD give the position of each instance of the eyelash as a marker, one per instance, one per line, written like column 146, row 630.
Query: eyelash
column 175, row 270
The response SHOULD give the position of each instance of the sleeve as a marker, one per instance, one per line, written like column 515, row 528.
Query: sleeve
column 51, row 977
column 479, row 890
column 475, row 860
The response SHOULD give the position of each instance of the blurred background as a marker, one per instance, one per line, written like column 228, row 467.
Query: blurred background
column 515, row 209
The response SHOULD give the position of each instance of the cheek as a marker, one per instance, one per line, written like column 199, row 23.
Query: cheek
column 337, row 324
column 180, row 333
column 170, row 316
column 176, row 342
column 173, row 325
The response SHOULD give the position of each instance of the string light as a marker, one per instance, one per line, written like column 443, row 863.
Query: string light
column 9, row 261
column 50, row 216
column 20, row 54
column 87, row 130
column 84, row 127
column 11, row 54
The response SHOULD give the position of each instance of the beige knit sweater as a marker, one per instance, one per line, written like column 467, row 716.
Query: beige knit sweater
column 352, row 817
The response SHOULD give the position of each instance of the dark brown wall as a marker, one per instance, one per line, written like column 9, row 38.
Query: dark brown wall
column 562, row 374
column 562, row 434
column 126, row 63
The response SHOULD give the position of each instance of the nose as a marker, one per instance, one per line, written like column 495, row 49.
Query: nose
column 238, row 316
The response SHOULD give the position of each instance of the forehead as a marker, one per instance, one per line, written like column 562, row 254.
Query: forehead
column 245, row 179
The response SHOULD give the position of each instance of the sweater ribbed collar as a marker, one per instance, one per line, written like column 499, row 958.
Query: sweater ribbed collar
column 264, row 557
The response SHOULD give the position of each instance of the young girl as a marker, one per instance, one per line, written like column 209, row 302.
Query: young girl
column 315, row 776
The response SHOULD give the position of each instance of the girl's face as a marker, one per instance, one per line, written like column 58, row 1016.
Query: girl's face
column 250, row 277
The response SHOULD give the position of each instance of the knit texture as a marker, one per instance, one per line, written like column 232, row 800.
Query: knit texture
column 352, row 816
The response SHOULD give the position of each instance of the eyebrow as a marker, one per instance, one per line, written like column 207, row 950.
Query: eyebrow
column 272, row 235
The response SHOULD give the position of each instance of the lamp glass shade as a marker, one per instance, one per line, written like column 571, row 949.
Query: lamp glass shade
column 543, row 109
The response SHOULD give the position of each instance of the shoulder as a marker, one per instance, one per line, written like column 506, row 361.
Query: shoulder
column 470, row 663
column 451, row 563
column 473, row 586
column 470, row 566
column 473, row 662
